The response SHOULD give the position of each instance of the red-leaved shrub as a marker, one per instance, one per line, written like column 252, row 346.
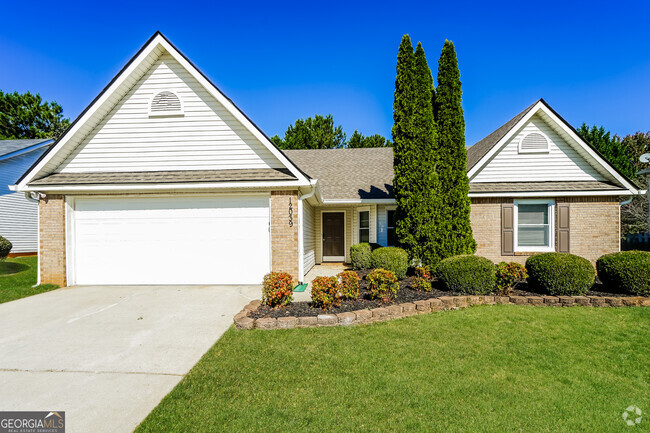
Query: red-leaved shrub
column 277, row 289
column 325, row 292
column 421, row 272
column 349, row 284
column 421, row 284
column 382, row 284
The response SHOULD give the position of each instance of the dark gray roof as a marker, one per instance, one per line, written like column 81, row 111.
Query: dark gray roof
column 247, row 175
column 493, row 187
column 348, row 173
column 480, row 149
column 11, row 146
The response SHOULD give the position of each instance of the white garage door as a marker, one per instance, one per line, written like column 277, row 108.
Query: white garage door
column 171, row 240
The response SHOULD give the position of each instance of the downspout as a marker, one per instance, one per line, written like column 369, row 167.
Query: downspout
column 36, row 198
column 301, row 253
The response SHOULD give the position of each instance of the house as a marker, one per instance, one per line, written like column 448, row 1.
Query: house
column 18, row 215
column 163, row 180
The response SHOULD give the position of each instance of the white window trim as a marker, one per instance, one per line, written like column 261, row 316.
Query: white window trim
column 548, row 143
column 179, row 113
column 551, row 226
column 389, row 208
column 359, row 210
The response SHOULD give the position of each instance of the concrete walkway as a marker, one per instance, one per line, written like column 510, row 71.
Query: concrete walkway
column 108, row 355
column 322, row 270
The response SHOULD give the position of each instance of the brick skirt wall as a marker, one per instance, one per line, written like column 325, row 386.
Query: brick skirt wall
column 594, row 222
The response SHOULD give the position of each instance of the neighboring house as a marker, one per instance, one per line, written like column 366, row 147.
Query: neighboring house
column 163, row 180
column 18, row 215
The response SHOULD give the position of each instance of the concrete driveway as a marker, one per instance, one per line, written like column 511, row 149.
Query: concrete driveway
column 108, row 355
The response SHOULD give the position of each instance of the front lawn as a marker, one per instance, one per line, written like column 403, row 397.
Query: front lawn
column 500, row 368
column 17, row 276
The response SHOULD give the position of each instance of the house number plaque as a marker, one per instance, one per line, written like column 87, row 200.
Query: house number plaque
column 290, row 213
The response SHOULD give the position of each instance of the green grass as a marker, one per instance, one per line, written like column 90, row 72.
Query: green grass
column 17, row 276
column 497, row 368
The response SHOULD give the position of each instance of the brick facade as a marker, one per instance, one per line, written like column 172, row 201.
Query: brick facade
column 51, row 220
column 594, row 221
column 284, row 236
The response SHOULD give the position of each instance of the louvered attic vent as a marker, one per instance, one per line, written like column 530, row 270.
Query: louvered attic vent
column 165, row 103
column 533, row 142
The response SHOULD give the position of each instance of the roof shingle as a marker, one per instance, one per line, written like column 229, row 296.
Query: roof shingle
column 348, row 173
column 144, row 177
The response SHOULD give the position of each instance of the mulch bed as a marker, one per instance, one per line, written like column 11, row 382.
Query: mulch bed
column 405, row 294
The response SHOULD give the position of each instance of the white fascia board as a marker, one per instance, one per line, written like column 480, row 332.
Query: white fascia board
column 360, row 201
column 588, row 149
column 232, row 109
column 550, row 194
column 81, row 122
column 163, row 187
column 479, row 166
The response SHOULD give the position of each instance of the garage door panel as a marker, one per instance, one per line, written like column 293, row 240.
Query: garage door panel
column 172, row 241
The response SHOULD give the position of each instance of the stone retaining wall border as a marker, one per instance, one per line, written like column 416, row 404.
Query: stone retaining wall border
column 390, row 312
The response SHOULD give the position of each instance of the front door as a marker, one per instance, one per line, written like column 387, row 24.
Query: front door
column 333, row 236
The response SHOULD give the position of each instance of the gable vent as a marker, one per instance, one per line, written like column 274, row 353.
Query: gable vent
column 533, row 142
column 165, row 103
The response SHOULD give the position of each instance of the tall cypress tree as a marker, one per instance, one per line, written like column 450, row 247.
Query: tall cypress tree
column 454, row 231
column 414, row 137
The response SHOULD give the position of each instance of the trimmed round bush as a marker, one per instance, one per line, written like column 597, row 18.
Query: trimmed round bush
column 627, row 271
column 277, row 289
column 473, row 275
column 393, row 259
column 349, row 284
column 560, row 274
column 382, row 284
column 360, row 255
column 325, row 292
column 5, row 248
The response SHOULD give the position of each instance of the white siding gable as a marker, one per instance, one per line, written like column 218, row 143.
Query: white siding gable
column 204, row 137
column 561, row 163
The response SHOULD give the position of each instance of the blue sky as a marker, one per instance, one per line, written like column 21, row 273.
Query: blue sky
column 280, row 61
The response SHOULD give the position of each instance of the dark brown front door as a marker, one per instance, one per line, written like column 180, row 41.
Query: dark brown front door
column 333, row 236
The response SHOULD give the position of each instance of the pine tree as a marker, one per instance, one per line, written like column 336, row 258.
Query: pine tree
column 414, row 137
column 454, row 231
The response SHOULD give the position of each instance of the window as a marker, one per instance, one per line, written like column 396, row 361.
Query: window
column 364, row 226
column 391, row 236
column 534, row 225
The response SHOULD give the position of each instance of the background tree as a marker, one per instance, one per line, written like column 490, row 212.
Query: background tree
column 358, row 140
column 454, row 231
column 414, row 137
column 636, row 145
column 28, row 116
column 312, row 133
column 608, row 146
column 634, row 216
